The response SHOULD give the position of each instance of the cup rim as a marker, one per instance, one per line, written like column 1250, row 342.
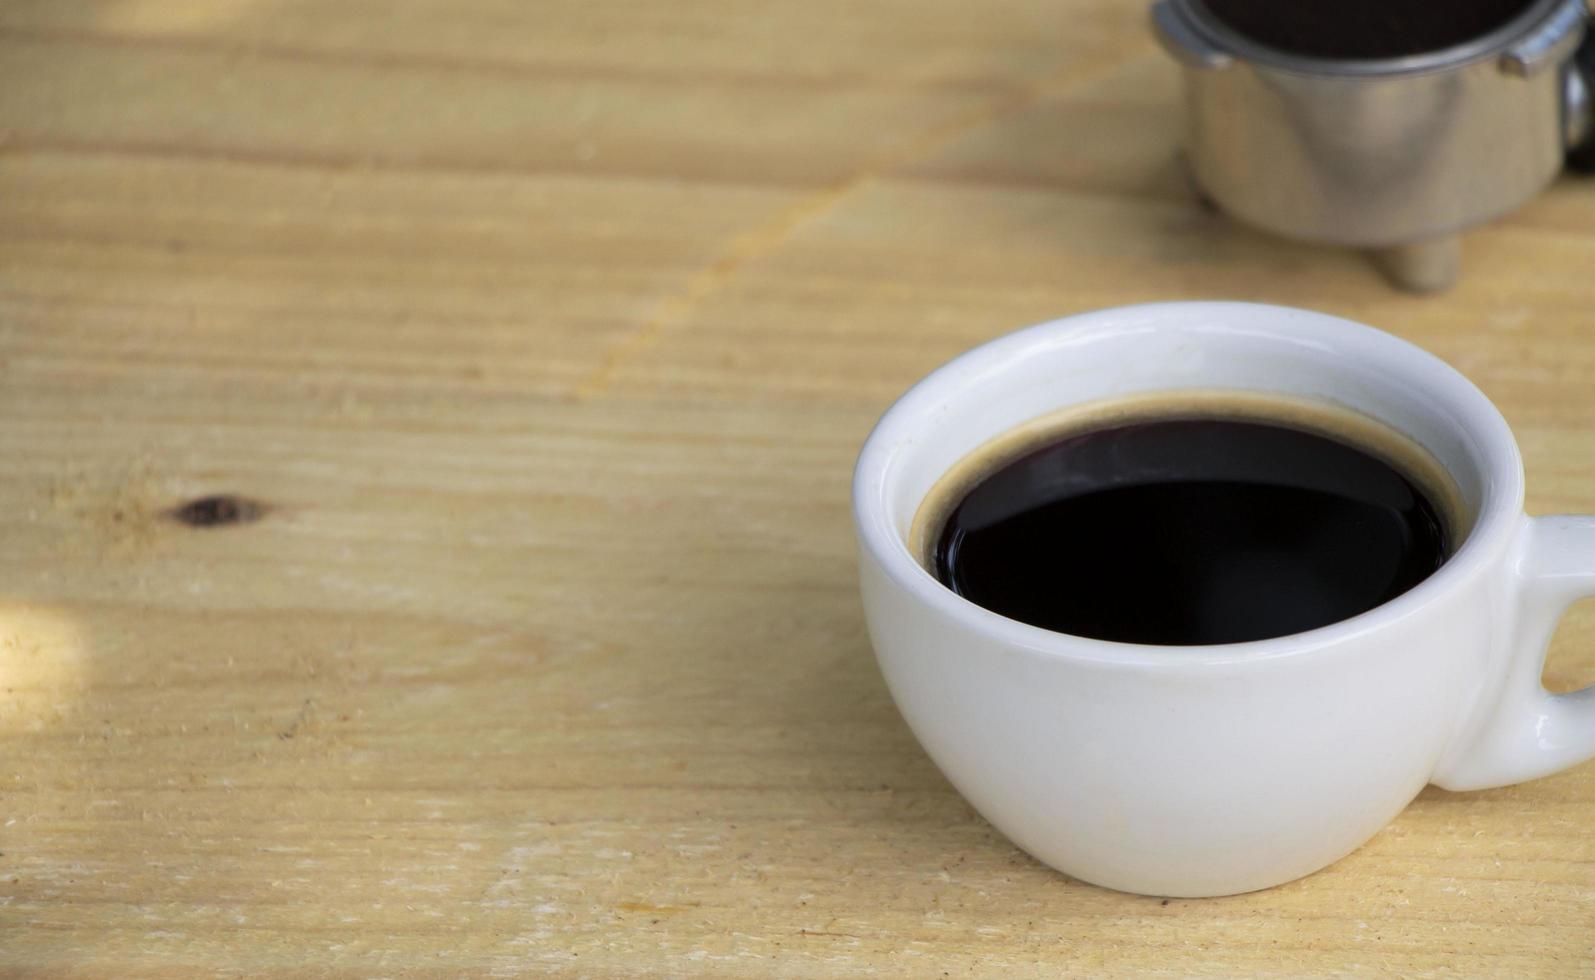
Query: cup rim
column 1499, row 513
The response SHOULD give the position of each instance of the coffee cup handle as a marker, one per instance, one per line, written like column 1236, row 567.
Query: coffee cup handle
column 1529, row 732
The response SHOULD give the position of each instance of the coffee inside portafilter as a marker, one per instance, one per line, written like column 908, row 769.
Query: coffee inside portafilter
column 1363, row 29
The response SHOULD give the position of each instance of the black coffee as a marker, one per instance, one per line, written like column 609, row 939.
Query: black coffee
column 1364, row 28
column 1189, row 531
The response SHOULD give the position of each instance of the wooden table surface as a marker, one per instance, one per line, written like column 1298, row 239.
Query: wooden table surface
column 527, row 348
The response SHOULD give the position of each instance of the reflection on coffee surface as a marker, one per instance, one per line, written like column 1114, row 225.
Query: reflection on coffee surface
column 1188, row 528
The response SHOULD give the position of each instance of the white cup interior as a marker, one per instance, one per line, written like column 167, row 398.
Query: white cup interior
column 1139, row 350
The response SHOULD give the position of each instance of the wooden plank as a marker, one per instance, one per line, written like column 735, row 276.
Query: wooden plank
column 544, row 336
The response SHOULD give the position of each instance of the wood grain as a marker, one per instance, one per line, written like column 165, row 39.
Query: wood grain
column 544, row 336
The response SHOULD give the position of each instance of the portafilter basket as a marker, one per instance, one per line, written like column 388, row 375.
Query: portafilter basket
column 1388, row 125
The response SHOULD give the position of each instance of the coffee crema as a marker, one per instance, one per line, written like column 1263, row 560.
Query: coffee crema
column 1203, row 518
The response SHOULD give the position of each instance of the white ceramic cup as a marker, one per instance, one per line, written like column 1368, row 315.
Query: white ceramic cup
column 1210, row 770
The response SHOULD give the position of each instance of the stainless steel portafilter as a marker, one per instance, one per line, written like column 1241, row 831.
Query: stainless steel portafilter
column 1388, row 125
